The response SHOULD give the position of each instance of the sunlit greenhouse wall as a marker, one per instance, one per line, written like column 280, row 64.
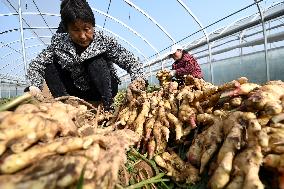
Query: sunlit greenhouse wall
column 11, row 89
column 252, row 66
column 244, row 48
column 240, row 52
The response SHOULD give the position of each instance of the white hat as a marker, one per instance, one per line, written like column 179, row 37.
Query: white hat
column 174, row 48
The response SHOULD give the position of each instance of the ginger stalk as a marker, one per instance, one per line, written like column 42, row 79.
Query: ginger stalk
column 236, row 182
column 20, row 160
column 4, row 114
column 195, row 151
column 148, row 127
column 232, row 84
column 125, row 116
column 139, row 122
column 225, row 158
column 16, row 102
column 174, row 108
column 151, row 148
column 212, row 138
column 221, row 175
column 187, row 113
column 178, row 125
column 25, row 123
column 162, row 114
column 157, row 133
column 166, row 132
column 270, row 92
column 132, row 116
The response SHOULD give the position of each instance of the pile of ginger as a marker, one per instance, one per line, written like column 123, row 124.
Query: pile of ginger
column 231, row 131
column 53, row 144
column 234, row 133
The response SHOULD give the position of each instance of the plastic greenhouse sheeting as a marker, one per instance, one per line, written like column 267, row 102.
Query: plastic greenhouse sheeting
column 148, row 29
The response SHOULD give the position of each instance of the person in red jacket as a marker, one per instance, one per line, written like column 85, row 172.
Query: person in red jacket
column 184, row 64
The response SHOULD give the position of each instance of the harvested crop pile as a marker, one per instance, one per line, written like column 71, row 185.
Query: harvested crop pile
column 227, row 136
column 232, row 132
column 52, row 145
column 59, row 164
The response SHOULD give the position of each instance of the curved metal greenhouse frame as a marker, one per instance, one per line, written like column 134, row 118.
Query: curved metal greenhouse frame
column 239, row 35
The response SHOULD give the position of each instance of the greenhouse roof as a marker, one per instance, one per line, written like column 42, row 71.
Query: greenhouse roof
column 147, row 28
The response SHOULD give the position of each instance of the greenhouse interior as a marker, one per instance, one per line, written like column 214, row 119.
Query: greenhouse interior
column 139, row 94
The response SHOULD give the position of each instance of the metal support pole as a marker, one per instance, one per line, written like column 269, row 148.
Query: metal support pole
column 265, row 40
column 125, row 82
column 205, row 34
column 269, row 32
column 241, row 48
column 150, row 73
column 17, row 84
column 22, row 37
column 9, row 86
column 210, row 61
column 0, row 88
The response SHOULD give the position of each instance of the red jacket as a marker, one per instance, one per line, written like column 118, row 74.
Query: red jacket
column 187, row 65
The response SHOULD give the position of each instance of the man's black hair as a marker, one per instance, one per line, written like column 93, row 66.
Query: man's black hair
column 71, row 10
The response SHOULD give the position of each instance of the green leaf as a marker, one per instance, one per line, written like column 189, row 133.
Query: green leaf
column 81, row 179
